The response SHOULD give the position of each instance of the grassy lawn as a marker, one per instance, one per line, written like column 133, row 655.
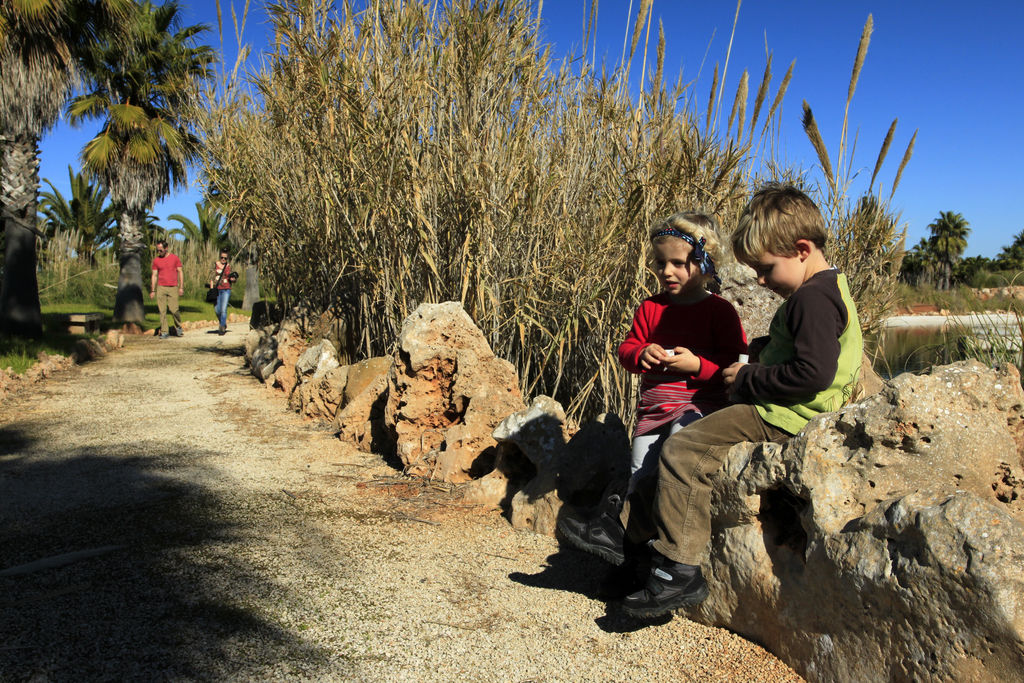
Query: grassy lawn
column 21, row 354
column 960, row 299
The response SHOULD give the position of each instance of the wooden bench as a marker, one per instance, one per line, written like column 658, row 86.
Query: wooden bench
column 83, row 323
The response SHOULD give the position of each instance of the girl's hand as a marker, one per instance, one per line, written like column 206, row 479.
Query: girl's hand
column 652, row 356
column 682, row 361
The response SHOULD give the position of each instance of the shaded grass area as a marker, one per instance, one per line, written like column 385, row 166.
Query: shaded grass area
column 21, row 354
column 960, row 299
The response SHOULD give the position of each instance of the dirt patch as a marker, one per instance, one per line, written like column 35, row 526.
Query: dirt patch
column 251, row 545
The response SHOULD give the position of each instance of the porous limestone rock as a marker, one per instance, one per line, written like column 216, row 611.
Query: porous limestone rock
column 291, row 344
column 593, row 462
column 88, row 349
column 321, row 394
column 539, row 467
column 326, row 387
column 361, row 420
column 251, row 343
column 46, row 365
column 363, row 373
column 261, row 353
column 317, row 360
column 525, row 474
column 884, row 542
column 114, row 339
column 755, row 304
column 10, row 382
column 446, row 393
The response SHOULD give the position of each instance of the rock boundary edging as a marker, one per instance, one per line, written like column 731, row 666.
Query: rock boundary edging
column 885, row 541
column 84, row 351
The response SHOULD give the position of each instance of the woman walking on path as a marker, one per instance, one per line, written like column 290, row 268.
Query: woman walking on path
column 222, row 278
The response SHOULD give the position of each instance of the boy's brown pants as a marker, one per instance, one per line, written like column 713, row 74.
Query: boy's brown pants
column 675, row 506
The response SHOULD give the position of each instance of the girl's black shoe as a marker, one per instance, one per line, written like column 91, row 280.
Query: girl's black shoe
column 602, row 535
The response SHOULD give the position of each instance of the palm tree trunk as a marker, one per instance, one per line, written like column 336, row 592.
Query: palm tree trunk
column 252, row 286
column 128, row 305
column 20, row 313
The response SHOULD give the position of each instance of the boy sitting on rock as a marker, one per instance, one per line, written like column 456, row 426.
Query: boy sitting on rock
column 808, row 365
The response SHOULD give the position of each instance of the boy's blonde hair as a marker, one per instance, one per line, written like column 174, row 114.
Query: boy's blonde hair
column 772, row 222
column 697, row 225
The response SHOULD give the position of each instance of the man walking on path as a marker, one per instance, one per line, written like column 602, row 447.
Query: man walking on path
column 167, row 284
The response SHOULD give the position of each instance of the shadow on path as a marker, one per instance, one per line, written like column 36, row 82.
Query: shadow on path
column 173, row 602
column 578, row 572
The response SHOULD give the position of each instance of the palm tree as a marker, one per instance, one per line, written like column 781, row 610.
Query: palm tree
column 39, row 40
column 146, row 144
column 86, row 213
column 1012, row 257
column 947, row 243
column 212, row 225
column 917, row 264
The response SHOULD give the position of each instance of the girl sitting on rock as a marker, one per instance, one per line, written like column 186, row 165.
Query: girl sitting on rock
column 681, row 338
column 680, row 341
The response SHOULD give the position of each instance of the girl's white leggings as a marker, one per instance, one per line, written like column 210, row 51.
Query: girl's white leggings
column 647, row 448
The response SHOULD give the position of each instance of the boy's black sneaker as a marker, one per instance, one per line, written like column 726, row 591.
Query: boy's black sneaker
column 669, row 586
column 602, row 535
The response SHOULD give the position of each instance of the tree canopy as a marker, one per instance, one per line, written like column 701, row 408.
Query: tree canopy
column 1011, row 257
column 86, row 212
column 947, row 242
column 40, row 41
column 142, row 89
column 211, row 228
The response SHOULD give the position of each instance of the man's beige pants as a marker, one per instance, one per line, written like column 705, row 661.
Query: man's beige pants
column 167, row 297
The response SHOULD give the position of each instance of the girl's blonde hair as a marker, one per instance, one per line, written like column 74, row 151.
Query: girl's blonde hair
column 699, row 226
column 703, row 229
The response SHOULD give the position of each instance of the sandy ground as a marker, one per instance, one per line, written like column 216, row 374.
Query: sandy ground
column 164, row 517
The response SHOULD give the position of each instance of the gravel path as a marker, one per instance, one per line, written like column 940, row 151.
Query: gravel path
column 230, row 540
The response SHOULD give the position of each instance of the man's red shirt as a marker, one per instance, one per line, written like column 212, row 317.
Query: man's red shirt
column 166, row 268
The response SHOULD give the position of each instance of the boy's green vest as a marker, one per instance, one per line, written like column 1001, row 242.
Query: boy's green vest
column 794, row 416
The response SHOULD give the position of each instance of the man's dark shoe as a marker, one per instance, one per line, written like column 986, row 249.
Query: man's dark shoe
column 669, row 586
column 602, row 535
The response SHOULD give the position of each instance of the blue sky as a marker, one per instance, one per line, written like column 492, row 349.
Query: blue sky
column 953, row 71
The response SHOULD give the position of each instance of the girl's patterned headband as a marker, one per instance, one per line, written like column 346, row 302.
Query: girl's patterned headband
column 699, row 255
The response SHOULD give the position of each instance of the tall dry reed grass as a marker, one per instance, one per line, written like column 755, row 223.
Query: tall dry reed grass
column 867, row 234
column 420, row 151
column 65, row 276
